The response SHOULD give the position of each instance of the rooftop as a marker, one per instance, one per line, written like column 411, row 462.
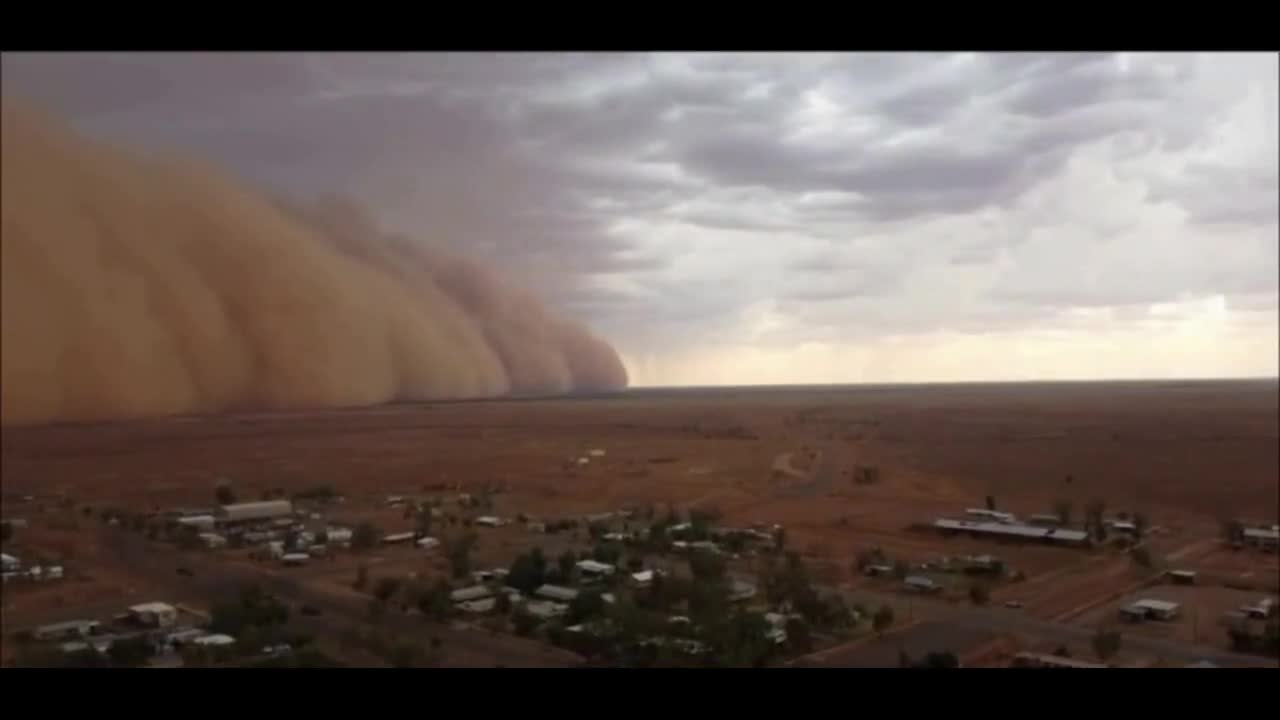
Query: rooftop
column 556, row 592
column 1015, row 529
column 1155, row 605
column 592, row 566
column 152, row 607
column 475, row 592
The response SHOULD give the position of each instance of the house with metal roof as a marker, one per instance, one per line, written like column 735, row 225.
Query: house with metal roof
column 254, row 511
column 67, row 629
column 1267, row 538
column 556, row 592
column 593, row 570
column 920, row 583
column 154, row 614
column 479, row 607
column 469, row 594
column 1148, row 609
column 1015, row 531
column 545, row 610
column 740, row 590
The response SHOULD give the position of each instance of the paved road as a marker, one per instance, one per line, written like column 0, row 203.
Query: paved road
column 215, row 579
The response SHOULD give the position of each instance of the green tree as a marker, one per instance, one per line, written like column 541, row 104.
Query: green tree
column 882, row 620
column 607, row 552
column 900, row 569
column 991, row 502
column 701, row 521
column 386, row 588
column 1095, row 519
column 979, row 594
column 224, row 495
column 436, row 603
column 798, row 636
column 364, row 536
column 503, row 603
column 130, row 652
column 524, row 574
column 588, row 604
column 422, row 521
column 780, row 539
column 523, row 623
column 459, row 553
column 1106, row 643
column 1142, row 556
column 706, row 566
column 362, row 577
column 1062, row 509
column 566, row 561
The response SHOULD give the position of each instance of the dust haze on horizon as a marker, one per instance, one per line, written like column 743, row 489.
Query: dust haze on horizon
column 139, row 285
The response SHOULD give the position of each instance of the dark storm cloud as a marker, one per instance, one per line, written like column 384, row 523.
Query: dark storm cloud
column 540, row 159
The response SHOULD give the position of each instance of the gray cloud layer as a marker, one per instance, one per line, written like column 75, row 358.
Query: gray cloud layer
column 666, row 195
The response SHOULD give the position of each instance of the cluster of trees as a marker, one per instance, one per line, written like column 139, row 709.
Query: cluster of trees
column 790, row 586
column 1106, row 643
column 529, row 570
column 254, row 609
column 224, row 494
column 458, row 552
column 365, row 536
column 1266, row 643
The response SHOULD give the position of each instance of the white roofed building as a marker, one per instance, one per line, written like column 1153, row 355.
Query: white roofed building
column 254, row 511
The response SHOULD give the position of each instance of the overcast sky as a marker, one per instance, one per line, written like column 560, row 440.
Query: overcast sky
column 783, row 218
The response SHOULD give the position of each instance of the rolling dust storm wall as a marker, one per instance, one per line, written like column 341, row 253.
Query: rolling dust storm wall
column 136, row 285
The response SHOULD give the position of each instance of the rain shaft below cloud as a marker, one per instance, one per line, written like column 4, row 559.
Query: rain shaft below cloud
column 138, row 286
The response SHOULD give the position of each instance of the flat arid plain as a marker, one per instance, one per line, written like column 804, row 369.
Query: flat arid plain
column 1185, row 455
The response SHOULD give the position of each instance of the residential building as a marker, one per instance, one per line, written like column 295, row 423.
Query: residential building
column 154, row 614
column 592, row 570
column 920, row 583
column 68, row 629
column 556, row 592
column 469, row 594
column 254, row 511
column 1052, row 535
column 1148, row 609
column 545, row 610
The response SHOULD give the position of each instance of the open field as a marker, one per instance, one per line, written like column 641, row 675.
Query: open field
column 1184, row 454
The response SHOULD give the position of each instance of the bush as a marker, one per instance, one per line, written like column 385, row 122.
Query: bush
column 607, row 552
column 130, row 652
column 364, row 536
column 979, row 594
column 224, row 495
column 385, row 588
column 524, row 623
